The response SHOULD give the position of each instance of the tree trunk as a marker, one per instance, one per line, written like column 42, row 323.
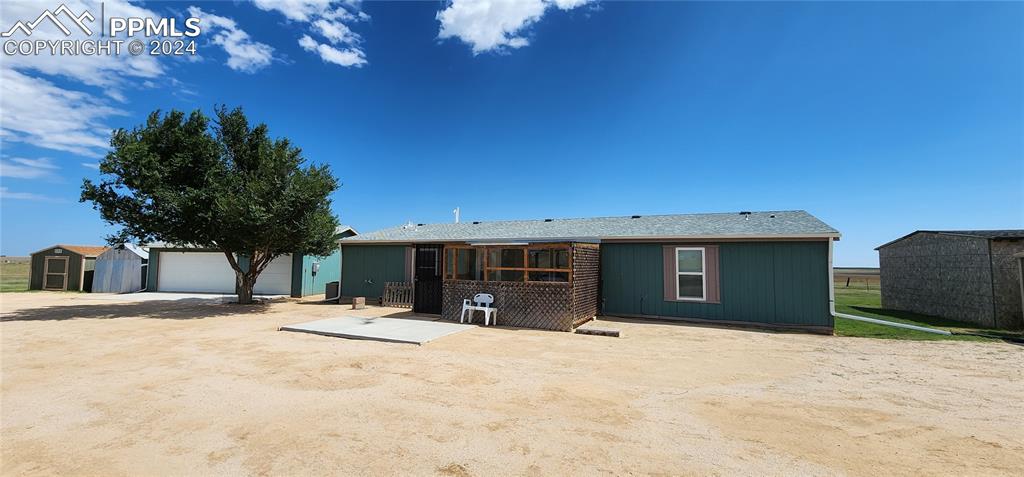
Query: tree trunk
column 245, row 286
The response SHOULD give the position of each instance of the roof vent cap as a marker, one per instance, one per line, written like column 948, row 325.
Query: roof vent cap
column 420, row 225
column 635, row 217
column 745, row 213
column 548, row 220
column 476, row 222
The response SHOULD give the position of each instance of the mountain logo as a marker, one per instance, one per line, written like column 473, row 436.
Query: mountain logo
column 28, row 28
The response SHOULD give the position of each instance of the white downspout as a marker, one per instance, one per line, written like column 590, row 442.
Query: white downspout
column 832, row 303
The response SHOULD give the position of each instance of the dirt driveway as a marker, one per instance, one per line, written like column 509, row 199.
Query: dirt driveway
column 154, row 388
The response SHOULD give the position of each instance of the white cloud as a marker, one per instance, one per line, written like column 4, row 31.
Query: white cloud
column 335, row 31
column 111, row 73
column 244, row 54
column 7, row 194
column 22, row 168
column 63, row 114
column 330, row 54
column 495, row 25
column 91, row 165
column 297, row 10
column 329, row 19
column 35, row 111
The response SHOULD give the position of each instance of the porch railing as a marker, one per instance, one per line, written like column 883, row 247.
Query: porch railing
column 398, row 294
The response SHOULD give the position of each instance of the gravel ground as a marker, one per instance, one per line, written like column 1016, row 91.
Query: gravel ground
column 95, row 387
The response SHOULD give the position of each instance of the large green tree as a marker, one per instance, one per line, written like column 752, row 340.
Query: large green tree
column 220, row 184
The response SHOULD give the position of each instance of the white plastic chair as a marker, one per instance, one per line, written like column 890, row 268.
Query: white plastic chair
column 482, row 302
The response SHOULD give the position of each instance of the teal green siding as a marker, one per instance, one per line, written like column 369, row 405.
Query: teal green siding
column 773, row 283
column 151, row 269
column 330, row 271
column 375, row 263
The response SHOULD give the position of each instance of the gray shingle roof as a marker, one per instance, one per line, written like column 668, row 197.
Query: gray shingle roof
column 794, row 223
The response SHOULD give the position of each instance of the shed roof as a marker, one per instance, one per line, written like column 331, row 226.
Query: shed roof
column 1002, row 234
column 88, row 251
column 780, row 224
column 142, row 252
column 345, row 228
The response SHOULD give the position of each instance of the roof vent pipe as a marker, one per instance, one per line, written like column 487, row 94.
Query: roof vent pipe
column 457, row 211
column 746, row 215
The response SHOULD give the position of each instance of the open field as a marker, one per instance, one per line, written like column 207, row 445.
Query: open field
column 857, row 278
column 14, row 274
column 868, row 303
column 160, row 388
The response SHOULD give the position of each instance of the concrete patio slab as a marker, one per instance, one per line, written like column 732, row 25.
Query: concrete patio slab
column 413, row 330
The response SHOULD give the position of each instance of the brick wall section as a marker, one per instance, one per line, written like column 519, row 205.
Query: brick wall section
column 541, row 305
column 1006, row 283
column 586, row 270
column 939, row 275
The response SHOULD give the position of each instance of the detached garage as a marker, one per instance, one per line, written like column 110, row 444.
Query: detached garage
column 196, row 270
column 64, row 267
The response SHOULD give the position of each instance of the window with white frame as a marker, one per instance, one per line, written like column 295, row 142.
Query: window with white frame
column 690, row 266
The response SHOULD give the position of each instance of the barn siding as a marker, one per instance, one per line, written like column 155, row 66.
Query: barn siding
column 1006, row 284
column 939, row 275
column 959, row 277
column 376, row 263
column 770, row 283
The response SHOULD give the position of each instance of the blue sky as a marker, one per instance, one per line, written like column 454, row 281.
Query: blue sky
column 878, row 118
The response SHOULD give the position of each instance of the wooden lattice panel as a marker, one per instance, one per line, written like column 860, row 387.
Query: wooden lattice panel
column 586, row 272
column 543, row 305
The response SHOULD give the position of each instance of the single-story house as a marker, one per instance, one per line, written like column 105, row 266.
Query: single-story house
column 64, row 267
column 767, row 269
column 121, row 269
column 964, row 275
column 197, row 270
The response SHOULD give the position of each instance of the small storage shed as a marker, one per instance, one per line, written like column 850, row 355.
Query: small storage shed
column 64, row 267
column 121, row 269
column 963, row 275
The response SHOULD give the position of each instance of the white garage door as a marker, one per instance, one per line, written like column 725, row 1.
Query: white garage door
column 276, row 279
column 199, row 272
